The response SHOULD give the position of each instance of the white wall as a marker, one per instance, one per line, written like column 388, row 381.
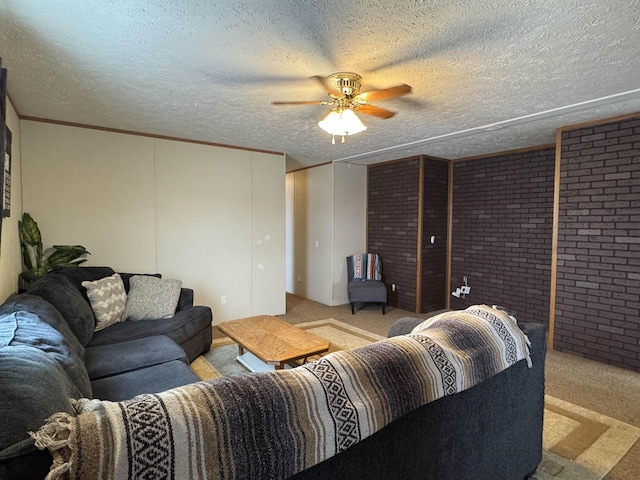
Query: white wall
column 349, row 223
column 313, row 233
column 92, row 188
column 290, row 186
column 10, row 255
column 328, row 223
column 268, row 234
column 139, row 204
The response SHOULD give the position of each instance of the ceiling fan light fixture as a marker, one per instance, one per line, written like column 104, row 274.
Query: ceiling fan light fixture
column 343, row 122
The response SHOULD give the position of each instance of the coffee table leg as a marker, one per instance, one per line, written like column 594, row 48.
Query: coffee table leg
column 240, row 349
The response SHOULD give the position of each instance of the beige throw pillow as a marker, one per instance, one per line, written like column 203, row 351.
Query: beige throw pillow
column 152, row 298
column 108, row 299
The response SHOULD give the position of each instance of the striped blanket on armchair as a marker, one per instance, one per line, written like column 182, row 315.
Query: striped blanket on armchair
column 366, row 266
column 272, row 425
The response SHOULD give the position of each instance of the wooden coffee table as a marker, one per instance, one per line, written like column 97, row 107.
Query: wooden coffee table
column 271, row 342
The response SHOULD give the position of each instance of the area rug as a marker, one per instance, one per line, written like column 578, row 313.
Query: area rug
column 578, row 444
column 220, row 360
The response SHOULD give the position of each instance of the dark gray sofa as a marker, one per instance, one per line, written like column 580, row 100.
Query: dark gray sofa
column 488, row 432
column 50, row 353
column 493, row 430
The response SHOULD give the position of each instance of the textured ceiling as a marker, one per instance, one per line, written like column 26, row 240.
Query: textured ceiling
column 487, row 75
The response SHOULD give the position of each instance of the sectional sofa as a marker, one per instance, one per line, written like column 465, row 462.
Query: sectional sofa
column 386, row 410
column 51, row 352
column 488, row 432
column 437, row 401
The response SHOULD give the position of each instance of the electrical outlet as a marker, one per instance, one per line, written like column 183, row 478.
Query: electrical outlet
column 299, row 278
column 223, row 300
column 393, row 287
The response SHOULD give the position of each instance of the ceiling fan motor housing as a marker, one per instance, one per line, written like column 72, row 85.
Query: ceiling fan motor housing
column 347, row 83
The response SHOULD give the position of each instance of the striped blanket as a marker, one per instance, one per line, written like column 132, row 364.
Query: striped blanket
column 366, row 266
column 272, row 425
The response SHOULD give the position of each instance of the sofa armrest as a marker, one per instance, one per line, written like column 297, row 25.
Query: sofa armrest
column 537, row 334
column 186, row 299
column 404, row 326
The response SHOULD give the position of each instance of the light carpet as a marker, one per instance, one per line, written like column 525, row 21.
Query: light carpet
column 579, row 444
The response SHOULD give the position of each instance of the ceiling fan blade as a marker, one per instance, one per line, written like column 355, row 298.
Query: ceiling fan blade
column 331, row 89
column 374, row 95
column 310, row 102
column 375, row 111
column 325, row 115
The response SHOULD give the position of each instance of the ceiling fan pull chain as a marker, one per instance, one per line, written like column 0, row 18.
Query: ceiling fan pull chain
column 333, row 139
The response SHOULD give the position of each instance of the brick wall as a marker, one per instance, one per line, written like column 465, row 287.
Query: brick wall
column 502, row 232
column 598, row 278
column 392, row 226
column 435, row 219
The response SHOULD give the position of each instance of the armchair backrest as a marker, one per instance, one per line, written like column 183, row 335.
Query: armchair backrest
column 350, row 269
column 364, row 266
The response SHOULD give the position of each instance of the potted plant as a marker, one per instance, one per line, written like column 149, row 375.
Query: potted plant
column 37, row 261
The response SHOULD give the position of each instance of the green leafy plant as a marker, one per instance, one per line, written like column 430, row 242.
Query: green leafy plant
column 37, row 261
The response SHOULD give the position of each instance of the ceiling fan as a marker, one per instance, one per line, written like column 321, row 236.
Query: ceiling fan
column 344, row 90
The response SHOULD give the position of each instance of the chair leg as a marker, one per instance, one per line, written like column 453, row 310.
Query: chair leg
column 383, row 305
column 352, row 311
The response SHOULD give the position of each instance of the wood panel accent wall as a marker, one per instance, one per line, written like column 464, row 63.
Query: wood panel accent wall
column 434, row 223
column 392, row 226
column 597, row 309
column 502, row 232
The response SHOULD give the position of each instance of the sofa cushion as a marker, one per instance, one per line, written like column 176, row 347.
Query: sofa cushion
column 153, row 379
column 152, row 298
column 67, row 299
column 27, row 329
column 126, row 278
column 106, row 360
column 108, row 299
column 77, row 275
column 181, row 328
column 186, row 299
column 25, row 405
column 46, row 313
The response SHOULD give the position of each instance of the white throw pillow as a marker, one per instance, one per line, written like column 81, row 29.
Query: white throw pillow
column 152, row 298
column 108, row 299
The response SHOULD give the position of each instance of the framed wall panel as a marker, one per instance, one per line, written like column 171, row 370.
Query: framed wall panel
column 3, row 129
column 6, row 176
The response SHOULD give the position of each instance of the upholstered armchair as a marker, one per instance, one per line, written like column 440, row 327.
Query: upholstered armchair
column 364, row 271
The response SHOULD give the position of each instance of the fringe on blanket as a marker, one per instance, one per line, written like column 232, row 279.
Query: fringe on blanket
column 54, row 435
